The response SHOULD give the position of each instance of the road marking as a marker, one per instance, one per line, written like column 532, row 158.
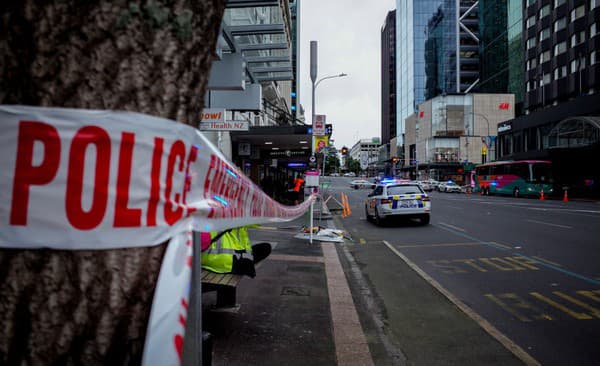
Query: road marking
column 362, row 241
column 546, row 261
column 590, row 294
column 550, row 224
column 453, row 227
column 438, row 245
column 574, row 314
column 595, row 312
column 483, row 323
column 544, row 264
column 500, row 245
column 519, row 303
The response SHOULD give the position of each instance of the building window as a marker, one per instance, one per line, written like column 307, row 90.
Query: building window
column 560, row 24
column 531, row 42
column 577, row 38
column 544, row 34
column 531, row 64
column 593, row 57
column 544, row 57
column 594, row 4
column 560, row 48
column 576, row 64
column 593, row 30
column 558, row 3
column 560, row 72
column 577, row 13
column 544, row 11
column 546, row 78
column 531, row 21
column 530, row 85
column 530, row 2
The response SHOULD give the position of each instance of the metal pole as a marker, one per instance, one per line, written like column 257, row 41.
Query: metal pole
column 313, row 78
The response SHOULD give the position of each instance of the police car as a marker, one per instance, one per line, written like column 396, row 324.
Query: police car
column 399, row 199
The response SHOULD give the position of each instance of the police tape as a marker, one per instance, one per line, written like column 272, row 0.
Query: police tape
column 81, row 179
column 84, row 179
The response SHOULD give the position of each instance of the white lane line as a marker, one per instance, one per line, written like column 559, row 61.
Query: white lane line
column 487, row 326
column 550, row 224
column 453, row 227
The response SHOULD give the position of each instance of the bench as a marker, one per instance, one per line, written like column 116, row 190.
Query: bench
column 224, row 283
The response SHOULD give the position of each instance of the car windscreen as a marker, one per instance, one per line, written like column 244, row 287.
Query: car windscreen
column 404, row 189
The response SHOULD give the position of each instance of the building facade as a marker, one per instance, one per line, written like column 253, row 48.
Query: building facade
column 366, row 151
column 560, row 50
column 388, row 79
column 450, row 132
column 562, row 77
column 437, row 51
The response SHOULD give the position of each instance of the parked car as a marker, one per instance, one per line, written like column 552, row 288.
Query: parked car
column 334, row 175
column 361, row 183
column 398, row 200
column 450, row 187
column 349, row 174
column 427, row 187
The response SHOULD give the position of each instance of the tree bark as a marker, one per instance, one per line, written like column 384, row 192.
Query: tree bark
column 92, row 307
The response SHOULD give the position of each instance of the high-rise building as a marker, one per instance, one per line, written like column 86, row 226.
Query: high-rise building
column 295, row 35
column 561, row 50
column 437, row 52
column 516, row 68
column 562, row 107
column 493, row 30
column 388, row 78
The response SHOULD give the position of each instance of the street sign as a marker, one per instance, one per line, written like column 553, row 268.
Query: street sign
column 212, row 115
column 319, row 125
column 224, row 126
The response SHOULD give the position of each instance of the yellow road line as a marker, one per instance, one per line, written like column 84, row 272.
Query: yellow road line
column 487, row 326
column 546, row 261
column 438, row 245
column 595, row 312
column 574, row 314
column 362, row 241
column 500, row 245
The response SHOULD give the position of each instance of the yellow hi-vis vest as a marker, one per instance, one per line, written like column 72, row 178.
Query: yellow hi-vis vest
column 219, row 255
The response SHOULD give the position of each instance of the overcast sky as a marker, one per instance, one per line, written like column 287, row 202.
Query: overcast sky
column 349, row 36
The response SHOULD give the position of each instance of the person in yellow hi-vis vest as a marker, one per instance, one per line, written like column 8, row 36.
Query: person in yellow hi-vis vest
column 230, row 251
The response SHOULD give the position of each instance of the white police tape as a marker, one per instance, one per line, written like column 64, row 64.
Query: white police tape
column 83, row 179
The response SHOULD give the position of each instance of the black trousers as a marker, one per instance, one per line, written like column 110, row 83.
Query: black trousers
column 245, row 266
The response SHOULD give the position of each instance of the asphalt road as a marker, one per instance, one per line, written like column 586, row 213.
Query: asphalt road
column 530, row 268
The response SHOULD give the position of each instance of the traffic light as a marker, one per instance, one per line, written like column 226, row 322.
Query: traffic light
column 394, row 159
column 344, row 150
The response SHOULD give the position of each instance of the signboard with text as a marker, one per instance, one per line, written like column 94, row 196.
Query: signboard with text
column 224, row 126
column 319, row 125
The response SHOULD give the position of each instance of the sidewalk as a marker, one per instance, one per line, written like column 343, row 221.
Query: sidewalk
column 299, row 310
column 286, row 315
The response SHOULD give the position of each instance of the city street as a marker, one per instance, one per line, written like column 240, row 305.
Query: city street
column 526, row 270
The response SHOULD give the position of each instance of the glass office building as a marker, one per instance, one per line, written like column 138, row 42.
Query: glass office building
column 437, row 52
column 412, row 18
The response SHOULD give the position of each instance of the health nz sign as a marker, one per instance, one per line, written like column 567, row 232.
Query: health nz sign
column 213, row 119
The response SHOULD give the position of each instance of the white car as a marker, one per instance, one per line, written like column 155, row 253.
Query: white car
column 399, row 200
column 361, row 183
column 450, row 187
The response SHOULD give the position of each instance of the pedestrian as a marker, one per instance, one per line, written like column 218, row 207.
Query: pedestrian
column 231, row 251
column 298, row 188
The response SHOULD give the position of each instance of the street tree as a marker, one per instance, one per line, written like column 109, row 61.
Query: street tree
column 149, row 56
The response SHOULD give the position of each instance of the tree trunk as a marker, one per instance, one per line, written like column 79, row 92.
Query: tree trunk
column 92, row 307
